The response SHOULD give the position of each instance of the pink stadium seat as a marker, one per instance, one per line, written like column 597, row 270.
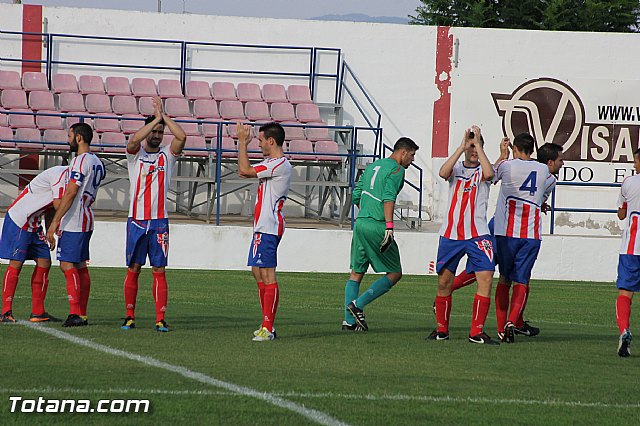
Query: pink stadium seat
column 197, row 143
column 249, row 92
column 325, row 149
column 190, row 129
column 10, row 80
column 28, row 139
column 143, row 87
column 131, row 126
column 48, row 121
column 13, row 98
column 301, row 145
column 223, row 91
column 98, row 103
column 118, row 86
column 230, row 129
column 145, row 105
column 64, row 83
column 281, row 111
column 257, row 111
column 123, row 104
column 55, row 140
column 291, row 133
column 41, row 100
column 230, row 144
column 106, row 124
column 95, row 143
column 254, row 145
column 210, row 130
column 71, row 102
column 176, row 107
column 274, row 93
column 117, row 139
column 317, row 133
column 6, row 138
column 197, row 90
column 34, row 81
column 232, row 110
column 91, row 84
column 307, row 113
column 169, row 88
column 299, row 94
column 17, row 121
column 73, row 120
column 205, row 108
column 4, row 119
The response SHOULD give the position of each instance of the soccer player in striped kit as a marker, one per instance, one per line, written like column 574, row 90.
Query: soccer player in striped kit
column 22, row 238
column 465, row 231
column 526, row 185
column 628, row 281
column 274, row 174
column 74, row 218
column 150, row 169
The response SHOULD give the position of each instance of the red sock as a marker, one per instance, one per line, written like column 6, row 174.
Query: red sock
column 261, row 295
column 9, row 284
column 502, row 305
column 520, row 322
column 131, row 292
column 518, row 299
column 39, row 285
column 480, row 310
column 73, row 290
column 443, row 312
column 160, row 294
column 271, row 299
column 85, row 289
column 623, row 312
column 462, row 280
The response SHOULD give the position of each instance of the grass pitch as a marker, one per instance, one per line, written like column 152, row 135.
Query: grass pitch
column 390, row 375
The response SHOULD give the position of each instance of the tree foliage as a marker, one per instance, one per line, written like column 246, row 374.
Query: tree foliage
column 558, row 15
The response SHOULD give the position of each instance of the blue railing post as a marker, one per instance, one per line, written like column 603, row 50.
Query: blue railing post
column 338, row 65
column 553, row 210
column 312, row 73
column 218, row 169
column 183, row 66
column 48, row 64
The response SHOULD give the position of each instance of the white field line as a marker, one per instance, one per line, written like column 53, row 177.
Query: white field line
column 326, row 395
column 311, row 414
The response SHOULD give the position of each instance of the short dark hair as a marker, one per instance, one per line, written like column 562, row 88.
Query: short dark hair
column 525, row 143
column 150, row 118
column 273, row 130
column 548, row 152
column 84, row 130
column 406, row 144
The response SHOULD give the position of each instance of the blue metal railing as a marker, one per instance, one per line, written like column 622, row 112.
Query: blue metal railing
column 417, row 187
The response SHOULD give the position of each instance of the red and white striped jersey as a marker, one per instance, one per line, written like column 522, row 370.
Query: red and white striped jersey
column 466, row 216
column 630, row 199
column 526, row 185
column 275, row 180
column 86, row 171
column 150, row 176
column 37, row 197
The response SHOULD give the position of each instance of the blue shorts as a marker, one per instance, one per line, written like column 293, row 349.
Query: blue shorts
column 148, row 238
column 21, row 245
column 516, row 257
column 628, row 272
column 263, row 252
column 73, row 247
column 479, row 251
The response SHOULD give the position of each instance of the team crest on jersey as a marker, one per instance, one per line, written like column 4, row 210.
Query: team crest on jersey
column 486, row 247
column 163, row 240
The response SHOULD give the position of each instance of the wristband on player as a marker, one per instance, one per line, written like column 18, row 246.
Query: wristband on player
column 390, row 225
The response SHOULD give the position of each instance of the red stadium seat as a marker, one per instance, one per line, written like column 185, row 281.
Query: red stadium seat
column 298, row 94
column 167, row 139
column 145, row 105
column 71, row 102
column 13, row 98
column 41, row 100
column 49, row 121
column 307, row 113
column 118, row 86
column 17, row 121
column 176, row 107
column 205, row 108
column 317, row 133
column 144, row 87
column 274, row 93
column 106, row 124
column 325, row 149
column 228, row 143
column 124, row 104
column 91, row 84
column 254, row 145
column 198, row 144
column 73, row 120
column 55, row 140
column 64, row 83
column 232, row 110
column 6, row 138
column 4, row 119
column 210, row 130
column 34, row 81
column 249, row 92
column 117, row 139
column 223, row 91
column 98, row 103
column 301, row 146
column 190, row 129
column 10, row 80
column 291, row 133
column 257, row 111
column 131, row 126
column 197, row 90
column 281, row 111
column 169, row 88
column 28, row 139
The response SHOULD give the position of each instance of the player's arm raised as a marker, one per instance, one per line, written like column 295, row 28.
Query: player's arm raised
column 505, row 144
column 179, row 137
column 485, row 164
column 244, row 166
column 447, row 167
column 134, row 142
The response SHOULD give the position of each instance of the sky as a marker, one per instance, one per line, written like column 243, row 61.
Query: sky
column 295, row 9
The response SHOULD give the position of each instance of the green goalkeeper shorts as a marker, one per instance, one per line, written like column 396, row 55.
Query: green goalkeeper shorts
column 365, row 248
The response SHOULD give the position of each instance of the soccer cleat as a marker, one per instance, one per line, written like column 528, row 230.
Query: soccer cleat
column 483, row 339
column 264, row 335
column 509, row 333
column 256, row 332
column 7, row 317
column 162, row 326
column 437, row 335
column 45, row 317
column 527, row 330
column 348, row 327
column 85, row 319
column 73, row 321
column 358, row 315
column 128, row 324
column 501, row 336
column 624, row 344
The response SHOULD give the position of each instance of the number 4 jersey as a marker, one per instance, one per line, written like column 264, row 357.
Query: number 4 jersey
column 86, row 171
column 526, row 185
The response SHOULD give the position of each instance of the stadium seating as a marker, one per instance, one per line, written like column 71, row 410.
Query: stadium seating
column 223, row 91
column 249, row 92
column 257, row 111
column 13, row 99
column 6, row 138
column 317, row 133
column 325, row 149
column 91, row 84
column 209, row 130
column 298, row 146
column 254, row 145
column 4, row 119
column 52, row 122
column 106, row 124
column 190, row 129
column 17, row 121
column 291, row 133
column 118, row 86
column 274, row 93
column 176, row 107
column 34, row 81
column 144, row 87
column 169, row 88
column 197, row 146
column 232, row 110
column 55, row 140
column 131, row 126
column 122, row 104
column 145, row 105
column 228, row 143
column 298, row 94
column 306, row 113
column 197, row 90
column 39, row 100
column 71, row 102
column 29, row 139
column 10, row 80
column 117, row 139
column 64, row 83
column 97, row 103
column 281, row 111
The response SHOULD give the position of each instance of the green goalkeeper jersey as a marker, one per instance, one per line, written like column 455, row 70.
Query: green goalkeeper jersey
column 381, row 181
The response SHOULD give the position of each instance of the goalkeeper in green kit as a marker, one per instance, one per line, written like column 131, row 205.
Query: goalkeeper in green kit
column 372, row 242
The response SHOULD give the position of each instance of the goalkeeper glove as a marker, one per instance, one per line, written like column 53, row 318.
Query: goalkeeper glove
column 388, row 238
